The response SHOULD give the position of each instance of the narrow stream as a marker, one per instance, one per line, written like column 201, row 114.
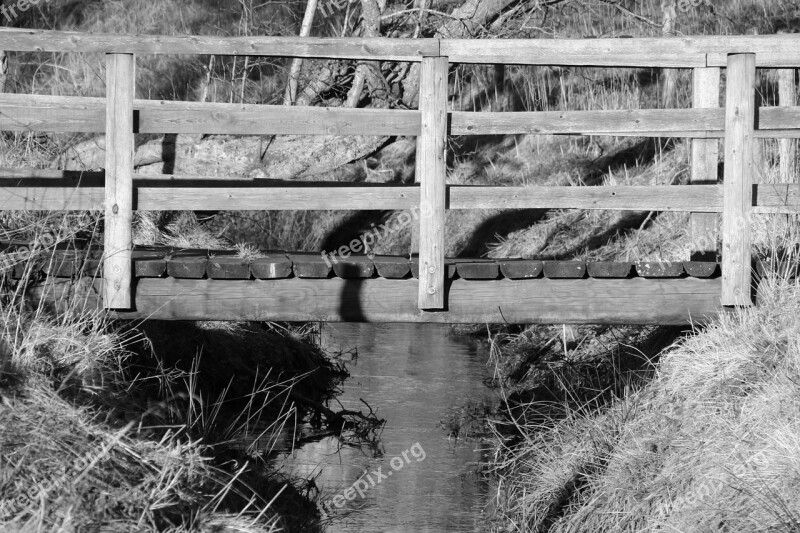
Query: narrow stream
column 413, row 375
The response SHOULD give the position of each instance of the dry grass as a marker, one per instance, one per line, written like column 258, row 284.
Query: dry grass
column 709, row 445
column 106, row 427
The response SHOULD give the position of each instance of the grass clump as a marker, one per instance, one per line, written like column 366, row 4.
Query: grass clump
column 107, row 426
column 710, row 444
column 82, row 448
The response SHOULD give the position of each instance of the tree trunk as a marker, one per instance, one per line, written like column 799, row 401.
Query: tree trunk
column 297, row 63
column 669, row 95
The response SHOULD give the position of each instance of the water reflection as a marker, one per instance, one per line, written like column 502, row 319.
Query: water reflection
column 412, row 374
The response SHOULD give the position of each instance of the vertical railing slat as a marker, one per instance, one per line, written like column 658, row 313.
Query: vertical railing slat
column 120, row 78
column 738, row 181
column 705, row 162
column 787, row 97
column 431, row 171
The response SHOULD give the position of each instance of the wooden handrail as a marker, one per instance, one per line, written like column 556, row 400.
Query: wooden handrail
column 772, row 51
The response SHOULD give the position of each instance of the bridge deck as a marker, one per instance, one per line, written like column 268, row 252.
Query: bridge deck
column 175, row 284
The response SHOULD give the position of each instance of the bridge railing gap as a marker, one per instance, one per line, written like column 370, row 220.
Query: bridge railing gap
column 706, row 123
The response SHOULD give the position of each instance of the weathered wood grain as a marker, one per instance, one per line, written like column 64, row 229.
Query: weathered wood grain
column 354, row 267
column 633, row 122
column 247, row 119
column 432, row 172
column 149, row 263
column 69, row 114
column 608, row 269
column 227, row 268
column 75, row 114
column 772, row 51
column 767, row 198
column 277, row 198
column 311, row 265
column 776, row 198
column 705, row 163
column 618, row 197
column 787, row 96
column 392, row 267
column 187, row 264
column 386, row 49
column 521, row 268
column 659, row 269
column 120, row 83
column 273, row 266
column 486, row 269
column 738, row 182
column 701, row 269
column 542, row 301
column 564, row 269
column 697, row 123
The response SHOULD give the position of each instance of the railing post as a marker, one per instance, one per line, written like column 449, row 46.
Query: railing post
column 787, row 96
column 705, row 161
column 431, row 172
column 120, row 80
column 738, row 181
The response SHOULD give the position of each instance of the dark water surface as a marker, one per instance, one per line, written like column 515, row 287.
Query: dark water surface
column 413, row 375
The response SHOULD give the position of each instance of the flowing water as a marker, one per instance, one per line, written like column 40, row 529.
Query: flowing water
column 414, row 375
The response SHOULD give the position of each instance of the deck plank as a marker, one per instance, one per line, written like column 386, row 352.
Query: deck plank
column 187, row 264
column 149, row 262
column 521, row 268
column 310, row 265
column 488, row 269
column 354, row 267
column 222, row 267
column 608, row 269
column 659, row 269
column 271, row 266
column 564, row 269
column 701, row 269
column 392, row 266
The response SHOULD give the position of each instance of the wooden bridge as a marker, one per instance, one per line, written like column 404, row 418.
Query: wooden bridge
column 208, row 284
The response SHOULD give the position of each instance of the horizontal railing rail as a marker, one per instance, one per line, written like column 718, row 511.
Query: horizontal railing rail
column 164, row 193
column 76, row 114
column 119, row 191
column 772, row 51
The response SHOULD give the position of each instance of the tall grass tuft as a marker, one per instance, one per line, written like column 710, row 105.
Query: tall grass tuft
column 99, row 432
column 710, row 444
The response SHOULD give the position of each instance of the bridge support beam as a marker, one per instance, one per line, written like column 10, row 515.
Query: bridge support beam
column 666, row 301
column 738, row 182
column 120, row 83
column 431, row 173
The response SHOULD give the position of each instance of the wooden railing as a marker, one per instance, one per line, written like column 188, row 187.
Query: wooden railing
column 119, row 191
